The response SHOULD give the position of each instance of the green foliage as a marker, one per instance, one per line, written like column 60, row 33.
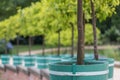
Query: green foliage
column 112, row 34
column 2, row 47
column 103, row 8
column 52, row 38
column 89, row 33
column 110, row 28
column 48, row 16
column 9, row 7
column 111, row 53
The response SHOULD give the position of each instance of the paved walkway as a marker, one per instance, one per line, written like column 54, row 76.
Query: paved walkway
column 116, row 74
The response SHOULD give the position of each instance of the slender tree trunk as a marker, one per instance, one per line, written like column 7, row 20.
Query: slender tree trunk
column 30, row 44
column 17, row 45
column 84, row 26
column 6, row 51
column 52, row 50
column 72, row 40
column 43, row 47
column 59, row 43
column 94, row 30
column 80, row 49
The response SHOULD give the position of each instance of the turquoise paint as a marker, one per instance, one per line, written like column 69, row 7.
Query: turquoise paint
column 29, row 61
column 53, row 59
column 73, row 68
column 109, row 60
column 17, row 60
column 42, row 62
column 5, row 59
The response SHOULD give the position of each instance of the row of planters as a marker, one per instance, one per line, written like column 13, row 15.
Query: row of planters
column 32, row 60
column 66, row 66
column 29, row 60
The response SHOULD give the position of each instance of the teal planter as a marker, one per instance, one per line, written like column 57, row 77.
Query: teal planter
column 110, row 65
column 71, row 71
column 5, row 59
column 29, row 61
column 89, row 56
column 53, row 59
column 42, row 62
column 65, row 55
column 68, row 58
column 17, row 60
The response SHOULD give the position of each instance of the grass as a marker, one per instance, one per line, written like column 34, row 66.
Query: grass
column 112, row 53
column 24, row 48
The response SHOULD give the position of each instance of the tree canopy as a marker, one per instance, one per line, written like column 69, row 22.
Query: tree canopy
column 47, row 16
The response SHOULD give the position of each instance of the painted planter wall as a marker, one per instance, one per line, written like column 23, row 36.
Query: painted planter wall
column 29, row 61
column 54, row 59
column 110, row 65
column 42, row 62
column 92, row 71
column 5, row 59
column 17, row 60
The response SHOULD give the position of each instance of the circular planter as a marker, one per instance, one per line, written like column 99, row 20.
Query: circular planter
column 65, row 55
column 71, row 71
column 110, row 65
column 42, row 62
column 29, row 61
column 89, row 56
column 17, row 60
column 53, row 59
column 5, row 59
column 68, row 58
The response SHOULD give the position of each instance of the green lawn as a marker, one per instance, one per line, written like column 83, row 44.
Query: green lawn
column 24, row 48
column 112, row 53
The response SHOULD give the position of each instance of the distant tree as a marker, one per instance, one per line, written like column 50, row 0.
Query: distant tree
column 9, row 7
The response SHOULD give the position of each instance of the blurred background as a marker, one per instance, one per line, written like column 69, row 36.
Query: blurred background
column 21, row 19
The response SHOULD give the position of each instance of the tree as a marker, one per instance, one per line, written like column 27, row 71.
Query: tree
column 94, row 29
column 9, row 7
column 80, row 49
column 72, row 40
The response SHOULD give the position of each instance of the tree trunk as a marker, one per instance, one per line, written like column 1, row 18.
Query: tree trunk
column 30, row 44
column 72, row 40
column 6, row 50
column 94, row 30
column 84, row 26
column 59, row 43
column 43, row 47
column 80, row 49
column 52, row 51
column 17, row 45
